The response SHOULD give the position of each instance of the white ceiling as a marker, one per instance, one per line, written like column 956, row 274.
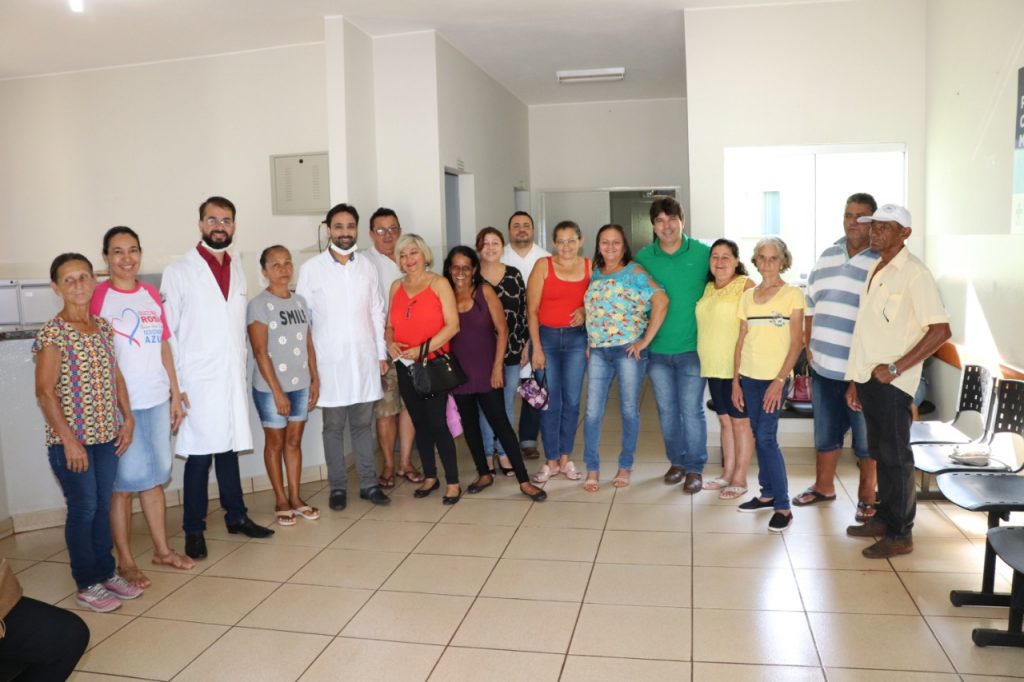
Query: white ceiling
column 520, row 43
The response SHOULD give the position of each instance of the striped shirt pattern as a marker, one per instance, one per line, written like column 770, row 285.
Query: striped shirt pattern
column 833, row 296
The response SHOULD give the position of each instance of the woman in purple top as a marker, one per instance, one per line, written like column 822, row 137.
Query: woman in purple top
column 480, row 349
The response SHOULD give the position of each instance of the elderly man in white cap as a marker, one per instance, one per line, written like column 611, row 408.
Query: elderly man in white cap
column 901, row 322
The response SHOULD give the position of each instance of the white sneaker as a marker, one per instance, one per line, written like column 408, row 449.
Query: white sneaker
column 97, row 598
column 121, row 588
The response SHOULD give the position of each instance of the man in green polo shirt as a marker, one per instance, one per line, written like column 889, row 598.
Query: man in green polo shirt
column 680, row 265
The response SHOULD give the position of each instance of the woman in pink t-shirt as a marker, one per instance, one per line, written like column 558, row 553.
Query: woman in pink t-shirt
column 141, row 336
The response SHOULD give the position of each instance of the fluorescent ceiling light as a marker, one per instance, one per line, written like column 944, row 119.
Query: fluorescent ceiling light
column 77, row 5
column 616, row 73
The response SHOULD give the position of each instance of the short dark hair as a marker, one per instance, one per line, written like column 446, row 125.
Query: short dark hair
column 567, row 225
column 486, row 231
column 667, row 205
column 217, row 201
column 741, row 269
column 517, row 213
column 463, row 250
column 863, row 198
column 266, row 254
column 113, row 232
column 341, row 208
column 627, row 253
column 381, row 212
column 66, row 258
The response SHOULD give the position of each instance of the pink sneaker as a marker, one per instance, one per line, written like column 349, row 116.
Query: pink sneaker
column 121, row 588
column 97, row 598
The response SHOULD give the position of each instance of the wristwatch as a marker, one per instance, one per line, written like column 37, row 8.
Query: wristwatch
column 892, row 370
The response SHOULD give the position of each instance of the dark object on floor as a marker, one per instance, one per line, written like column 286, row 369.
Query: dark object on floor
column 250, row 528
column 338, row 500
column 1008, row 545
column 195, row 546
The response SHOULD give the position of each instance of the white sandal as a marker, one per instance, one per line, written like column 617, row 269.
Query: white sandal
column 569, row 470
column 546, row 473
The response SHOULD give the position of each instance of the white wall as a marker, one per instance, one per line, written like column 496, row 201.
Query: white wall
column 486, row 128
column 360, row 124
column 973, row 58
column 144, row 145
column 822, row 73
column 609, row 144
column 410, row 178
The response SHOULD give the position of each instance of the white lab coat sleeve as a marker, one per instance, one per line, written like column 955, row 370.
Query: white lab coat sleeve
column 304, row 289
column 171, row 294
column 378, row 314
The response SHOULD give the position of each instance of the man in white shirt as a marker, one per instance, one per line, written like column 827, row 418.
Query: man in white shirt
column 522, row 253
column 393, row 420
column 204, row 300
column 343, row 292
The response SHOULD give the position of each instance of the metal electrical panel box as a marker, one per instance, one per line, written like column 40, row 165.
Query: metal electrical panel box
column 300, row 183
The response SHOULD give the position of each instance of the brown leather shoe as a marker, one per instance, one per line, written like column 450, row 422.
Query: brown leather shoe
column 888, row 547
column 674, row 475
column 694, row 483
column 871, row 529
column 530, row 453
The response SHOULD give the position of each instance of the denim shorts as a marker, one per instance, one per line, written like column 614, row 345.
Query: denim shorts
column 147, row 461
column 721, row 397
column 833, row 418
column 269, row 417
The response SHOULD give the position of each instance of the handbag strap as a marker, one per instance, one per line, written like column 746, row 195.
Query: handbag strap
column 423, row 349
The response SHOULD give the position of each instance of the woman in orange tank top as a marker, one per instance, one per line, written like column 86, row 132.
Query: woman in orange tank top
column 554, row 303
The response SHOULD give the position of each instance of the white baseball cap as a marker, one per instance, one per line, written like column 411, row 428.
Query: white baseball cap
column 888, row 213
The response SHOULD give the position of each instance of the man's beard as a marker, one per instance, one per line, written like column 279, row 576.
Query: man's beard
column 344, row 243
column 217, row 246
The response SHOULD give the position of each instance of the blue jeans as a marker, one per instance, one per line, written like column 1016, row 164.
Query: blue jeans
column 87, row 530
column 605, row 365
column 679, row 393
column 565, row 350
column 196, row 499
column 771, row 474
column 491, row 444
column 833, row 417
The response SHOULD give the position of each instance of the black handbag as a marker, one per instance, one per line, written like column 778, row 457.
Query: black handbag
column 438, row 374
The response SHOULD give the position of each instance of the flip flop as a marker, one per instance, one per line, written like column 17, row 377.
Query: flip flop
column 716, row 483
column 620, row 481
column 731, row 492
column 306, row 512
column 865, row 512
column 411, row 475
column 174, row 560
column 386, row 481
column 591, row 485
column 135, row 577
column 285, row 518
column 816, row 497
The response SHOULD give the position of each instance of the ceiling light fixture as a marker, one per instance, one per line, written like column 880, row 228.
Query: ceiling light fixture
column 77, row 5
column 615, row 73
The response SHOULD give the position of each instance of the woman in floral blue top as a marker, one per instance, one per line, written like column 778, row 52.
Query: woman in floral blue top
column 625, row 309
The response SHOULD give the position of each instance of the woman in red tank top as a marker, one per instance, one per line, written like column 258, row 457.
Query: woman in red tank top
column 554, row 303
column 422, row 306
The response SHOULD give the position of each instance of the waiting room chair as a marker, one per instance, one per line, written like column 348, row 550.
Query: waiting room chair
column 975, row 397
column 1008, row 544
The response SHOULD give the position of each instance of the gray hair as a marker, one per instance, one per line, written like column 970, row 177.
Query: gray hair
column 411, row 238
column 787, row 257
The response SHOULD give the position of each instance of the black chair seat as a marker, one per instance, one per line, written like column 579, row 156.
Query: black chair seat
column 937, row 432
column 1008, row 544
column 933, row 458
column 997, row 495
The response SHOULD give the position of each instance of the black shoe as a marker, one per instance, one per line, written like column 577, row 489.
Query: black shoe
column 339, row 500
column 452, row 499
column 538, row 496
column 755, row 504
column 423, row 492
column 780, row 522
column 250, row 528
column 375, row 495
column 195, row 546
column 476, row 486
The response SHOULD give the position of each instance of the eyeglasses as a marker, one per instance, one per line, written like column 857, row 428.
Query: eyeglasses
column 387, row 230
column 220, row 221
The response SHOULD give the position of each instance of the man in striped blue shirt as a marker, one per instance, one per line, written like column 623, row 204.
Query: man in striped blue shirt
column 833, row 297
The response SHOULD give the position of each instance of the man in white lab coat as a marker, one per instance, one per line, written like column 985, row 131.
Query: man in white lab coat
column 204, row 297
column 343, row 291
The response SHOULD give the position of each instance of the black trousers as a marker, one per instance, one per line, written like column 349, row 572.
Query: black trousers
column 43, row 642
column 888, row 417
column 428, row 416
column 492, row 404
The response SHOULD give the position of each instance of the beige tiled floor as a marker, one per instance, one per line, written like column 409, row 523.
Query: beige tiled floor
column 642, row 583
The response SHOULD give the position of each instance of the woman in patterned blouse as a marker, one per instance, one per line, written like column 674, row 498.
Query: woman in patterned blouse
column 89, row 425
column 508, row 283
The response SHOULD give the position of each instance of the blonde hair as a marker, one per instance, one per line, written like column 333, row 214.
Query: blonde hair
column 411, row 238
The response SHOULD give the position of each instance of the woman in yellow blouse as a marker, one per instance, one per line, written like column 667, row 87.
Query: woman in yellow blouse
column 771, row 336
column 718, row 327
